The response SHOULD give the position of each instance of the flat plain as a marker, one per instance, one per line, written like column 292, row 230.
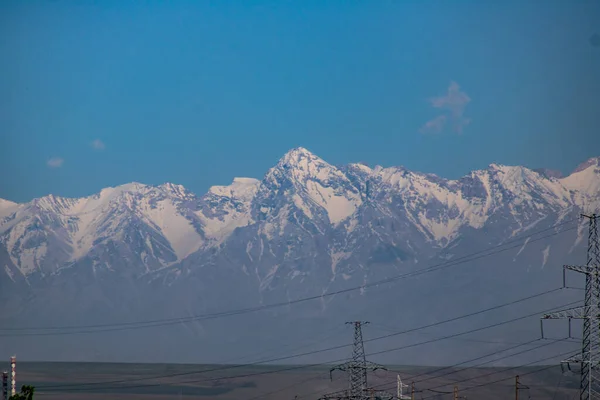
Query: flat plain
column 92, row 381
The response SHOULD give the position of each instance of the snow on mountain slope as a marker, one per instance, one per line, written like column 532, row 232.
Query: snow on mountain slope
column 316, row 185
column 76, row 226
column 225, row 208
column 31, row 235
column 440, row 208
column 7, row 208
column 176, row 191
column 585, row 185
column 241, row 188
column 336, row 210
column 156, row 206
column 137, row 252
column 174, row 226
column 522, row 185
column 437, row 206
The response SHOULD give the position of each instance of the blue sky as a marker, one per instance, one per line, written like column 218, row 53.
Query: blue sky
column 198, row 92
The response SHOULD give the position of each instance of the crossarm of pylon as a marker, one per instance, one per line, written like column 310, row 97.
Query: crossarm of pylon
column 576, row 359
column 574, row 313
column 341, row 367
column 573, row 360
column 373, row 366
column 583, row 269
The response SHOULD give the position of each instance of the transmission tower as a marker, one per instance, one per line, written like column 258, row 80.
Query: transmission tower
column 357, row 369
column 589, row 359
column 400, row 395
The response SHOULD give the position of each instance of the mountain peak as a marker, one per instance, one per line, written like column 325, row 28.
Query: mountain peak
column 592, row 162
column 298, row 156
column 496, row 166
column 300, row 164
column 300, row 150
column 175, row 190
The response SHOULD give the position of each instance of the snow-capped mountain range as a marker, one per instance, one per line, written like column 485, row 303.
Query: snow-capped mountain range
column 307, row 227
column 163, row 225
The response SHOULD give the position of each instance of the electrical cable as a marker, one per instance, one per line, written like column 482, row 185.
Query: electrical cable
column 346, row 345
column 504, row 370
column 510, row 377
column 173, row 321
column 497, row 359
column 429, row 373
column 554, row 341
column 390, row 329
column 74, row 388
column 416, row 344
column 397, row 333
column 333, row 332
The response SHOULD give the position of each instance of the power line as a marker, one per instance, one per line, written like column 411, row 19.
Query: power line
column 500, row 351
column 83, row 329
column 162, row 322
column 430, row 341
column 447, row 264
column 334, row 332
column 589, row 386
column 504, row 370
column 507, row 369
column 471, row 314
column 75, row 387
column 488, row 362
column 554, row 341
column 390, row 329
column 429, row 373
column 522, row 374
column 384, row 385
column 341, row 346
column 433, row 389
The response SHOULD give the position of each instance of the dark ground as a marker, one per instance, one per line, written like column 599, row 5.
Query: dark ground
column 57, row 381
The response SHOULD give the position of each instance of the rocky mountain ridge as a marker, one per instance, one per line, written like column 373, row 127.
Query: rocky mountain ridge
column 307, row 228
column 161, row 226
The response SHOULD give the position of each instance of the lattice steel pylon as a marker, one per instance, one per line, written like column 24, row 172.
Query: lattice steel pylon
column 589, row 359
column 357, row 369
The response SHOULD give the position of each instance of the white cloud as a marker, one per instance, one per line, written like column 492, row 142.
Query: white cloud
column 435, row 125
column 98, row 144
column 55, row 162
column 454, row 103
